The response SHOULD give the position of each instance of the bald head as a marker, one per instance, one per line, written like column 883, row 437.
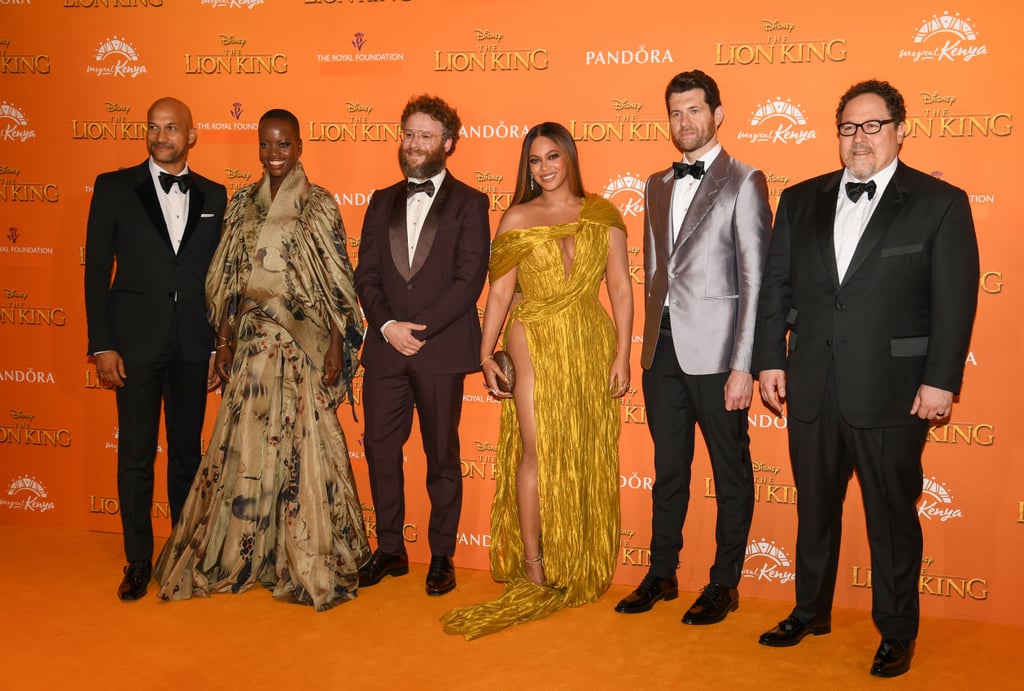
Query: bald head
column 169, row 134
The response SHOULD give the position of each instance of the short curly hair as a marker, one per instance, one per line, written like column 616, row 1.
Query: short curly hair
column 439, row 110
column 893, row 98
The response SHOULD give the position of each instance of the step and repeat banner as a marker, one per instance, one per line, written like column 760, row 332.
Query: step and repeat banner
column 77, row 76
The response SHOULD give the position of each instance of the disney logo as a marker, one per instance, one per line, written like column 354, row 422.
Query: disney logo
column 236, row 174
column 229, row 40
column 485, row 446
column 21, row 415
column 484, row 35
column 776, row 25
column 117, row 107
column 934, row 97
column 485, row 176
column 624, row 104
column 13, row 294
column 353, row 107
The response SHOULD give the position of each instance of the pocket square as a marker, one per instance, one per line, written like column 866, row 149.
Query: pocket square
column 207, row 215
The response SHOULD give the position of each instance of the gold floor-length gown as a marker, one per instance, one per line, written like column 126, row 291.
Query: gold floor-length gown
column 274, row 500
column 571, row 340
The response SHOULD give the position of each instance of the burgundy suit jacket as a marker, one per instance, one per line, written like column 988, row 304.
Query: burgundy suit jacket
column 441, row 287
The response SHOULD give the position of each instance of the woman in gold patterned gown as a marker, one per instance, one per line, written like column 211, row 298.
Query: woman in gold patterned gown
column 274, row 500
column 555, row 517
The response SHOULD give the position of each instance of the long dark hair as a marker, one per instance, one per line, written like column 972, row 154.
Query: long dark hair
column 564, row 141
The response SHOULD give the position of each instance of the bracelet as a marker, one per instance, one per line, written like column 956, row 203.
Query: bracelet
column 222, row 345
column 489, row 357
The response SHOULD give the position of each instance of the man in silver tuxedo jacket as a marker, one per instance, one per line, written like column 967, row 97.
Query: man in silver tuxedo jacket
column 705, row 240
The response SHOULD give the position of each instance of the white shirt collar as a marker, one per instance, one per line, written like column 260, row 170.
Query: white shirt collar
column 709, row 156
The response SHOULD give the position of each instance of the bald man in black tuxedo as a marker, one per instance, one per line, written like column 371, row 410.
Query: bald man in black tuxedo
column 158, row 223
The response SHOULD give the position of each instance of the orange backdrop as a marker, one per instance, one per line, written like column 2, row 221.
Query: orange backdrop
column 76, row 78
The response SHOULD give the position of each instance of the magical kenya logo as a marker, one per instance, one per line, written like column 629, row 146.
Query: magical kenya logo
column 766, row 561
column 945, row 38
column 13, row 124
column 116, row 57
column 777, row 121
column 26, row 494
column 936, row 503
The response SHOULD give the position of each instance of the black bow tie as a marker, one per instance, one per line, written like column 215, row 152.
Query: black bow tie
column 855, row 189
column 426, row 186
column 167, row 181
column 684, row 169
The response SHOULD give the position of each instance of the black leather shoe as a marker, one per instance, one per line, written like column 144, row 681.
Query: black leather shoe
column 136, row 579
column 714, row 603
column 650, row 590
column 791, row 631
column 892, row 658
column 382, row 564
column 440, row 576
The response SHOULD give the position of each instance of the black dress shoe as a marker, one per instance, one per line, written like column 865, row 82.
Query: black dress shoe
column 382, row 564
column 714, row 603
column 892, row 658
column 650, row 590
column 791, row 631
column 136, row 579
column 440, row 576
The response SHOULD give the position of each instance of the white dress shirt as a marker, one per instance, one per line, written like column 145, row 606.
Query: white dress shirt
column 685, row 189
column 416, row 209
column 852, row 217
column 174, row 205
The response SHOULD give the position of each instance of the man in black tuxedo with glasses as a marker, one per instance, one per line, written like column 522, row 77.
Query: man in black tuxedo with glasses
column 863, row 327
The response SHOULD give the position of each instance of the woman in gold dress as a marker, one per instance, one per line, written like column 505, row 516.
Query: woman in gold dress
column 555, row 517
column 274, row 500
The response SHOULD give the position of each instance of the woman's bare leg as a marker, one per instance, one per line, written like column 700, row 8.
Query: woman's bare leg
column 527, row 496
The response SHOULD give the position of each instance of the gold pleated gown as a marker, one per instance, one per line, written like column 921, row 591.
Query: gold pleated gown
column 572, row 345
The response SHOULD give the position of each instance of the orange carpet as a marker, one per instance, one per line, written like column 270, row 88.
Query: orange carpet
column 63, row 628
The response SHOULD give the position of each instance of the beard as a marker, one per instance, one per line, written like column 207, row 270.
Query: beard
column 701, row 139
column 432, row 164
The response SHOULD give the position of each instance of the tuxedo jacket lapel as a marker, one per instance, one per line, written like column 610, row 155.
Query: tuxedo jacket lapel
column 888, row 207
column 825, row 221
column 196, row 203
column 659, row 203
column 431, row 224
column 398, row 235
column 703, row 199
column 147, row 195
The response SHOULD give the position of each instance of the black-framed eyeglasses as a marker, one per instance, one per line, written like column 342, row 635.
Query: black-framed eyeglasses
column 848, row 129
